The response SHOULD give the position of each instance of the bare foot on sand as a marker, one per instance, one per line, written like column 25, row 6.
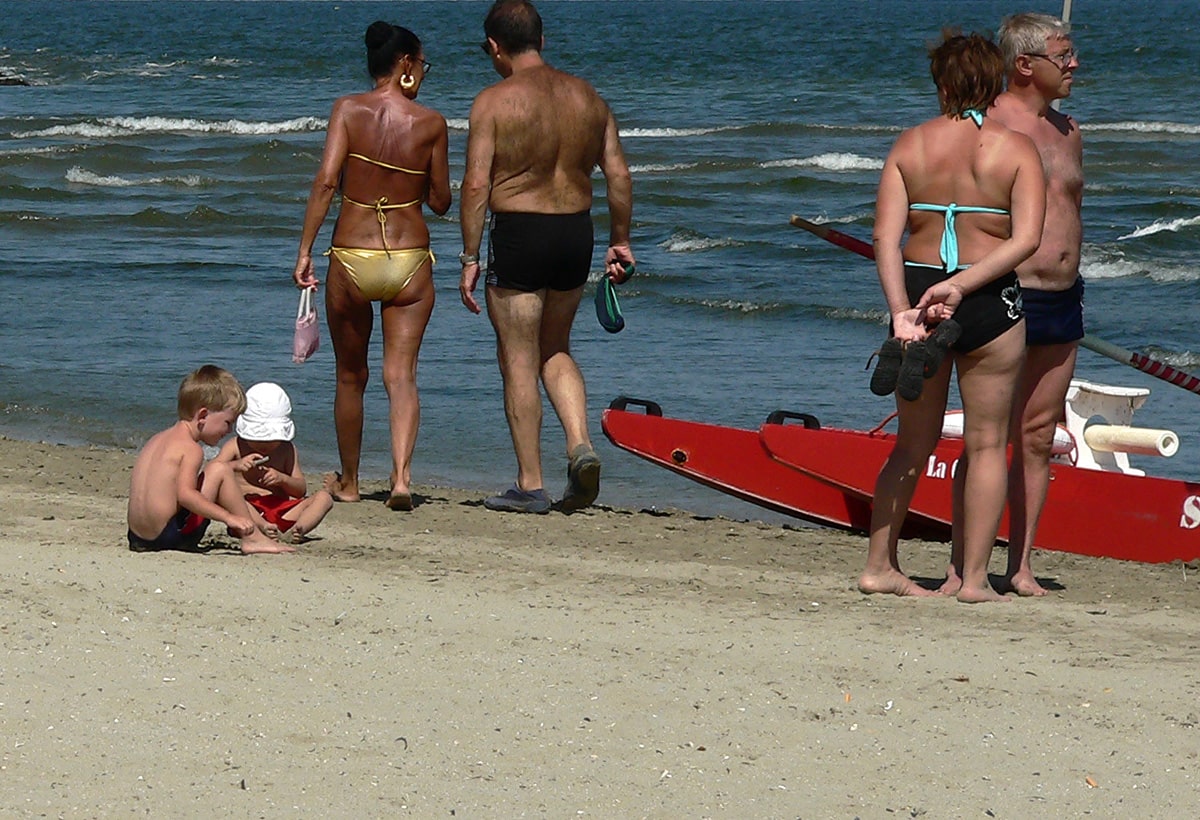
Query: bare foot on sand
column 399, row 500
column 257, row 543
column 952, row 584
column 340, row 489
column 893, row 582
column 980, row 595
column 1024, row 584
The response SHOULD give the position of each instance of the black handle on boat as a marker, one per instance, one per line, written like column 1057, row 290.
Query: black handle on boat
column 622, row 402
column 780, row 416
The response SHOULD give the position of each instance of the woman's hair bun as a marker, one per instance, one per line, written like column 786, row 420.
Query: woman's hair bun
column 378, row 34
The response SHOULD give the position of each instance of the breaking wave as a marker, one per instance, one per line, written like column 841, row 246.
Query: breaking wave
column 829, row 162
column 1173, row 225
column 127, row 126
column 80, row 176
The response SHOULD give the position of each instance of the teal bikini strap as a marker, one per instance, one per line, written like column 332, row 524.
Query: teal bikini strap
column 975, row 114
column 949, row 247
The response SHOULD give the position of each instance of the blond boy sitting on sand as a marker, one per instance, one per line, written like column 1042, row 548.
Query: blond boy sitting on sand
column 267, row 466
column 173, row 494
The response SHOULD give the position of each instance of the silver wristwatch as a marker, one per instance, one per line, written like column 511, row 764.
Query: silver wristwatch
column 465, row 259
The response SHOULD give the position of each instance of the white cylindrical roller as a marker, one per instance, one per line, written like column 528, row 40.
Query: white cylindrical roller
column 952, row 427
column 1115, row 438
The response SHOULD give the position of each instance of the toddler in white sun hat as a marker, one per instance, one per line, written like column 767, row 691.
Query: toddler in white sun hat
column 267, row 466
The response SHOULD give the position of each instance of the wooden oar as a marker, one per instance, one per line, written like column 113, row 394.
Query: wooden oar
column 842, row 240
column 1153, row 367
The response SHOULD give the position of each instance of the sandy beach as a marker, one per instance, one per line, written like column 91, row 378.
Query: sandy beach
column 453, row 662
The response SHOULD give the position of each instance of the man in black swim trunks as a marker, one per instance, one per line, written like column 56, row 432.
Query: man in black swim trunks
column 534, row 139
column 1040, row 61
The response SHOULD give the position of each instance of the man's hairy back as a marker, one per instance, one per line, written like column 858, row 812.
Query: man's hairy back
column 549, row 135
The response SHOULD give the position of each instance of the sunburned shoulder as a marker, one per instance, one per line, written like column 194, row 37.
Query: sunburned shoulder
column 354, row 103
column 541, row 80
column 170, row 445
column 911, row 137
column 1010, row 112
column 348, row 102
column 1017, row 142
column 181, row 441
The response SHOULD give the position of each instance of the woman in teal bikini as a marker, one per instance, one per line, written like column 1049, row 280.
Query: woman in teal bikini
column 387, row 156
column 971, row 195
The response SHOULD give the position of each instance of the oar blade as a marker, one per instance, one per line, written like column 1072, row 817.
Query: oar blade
column 842, row 240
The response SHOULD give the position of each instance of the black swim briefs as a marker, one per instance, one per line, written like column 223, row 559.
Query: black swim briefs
column 183, row 532
column 1054, row 317
column 529, row 252
column 984, row 314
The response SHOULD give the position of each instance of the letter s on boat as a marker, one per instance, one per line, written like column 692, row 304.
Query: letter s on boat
column 1191, row 513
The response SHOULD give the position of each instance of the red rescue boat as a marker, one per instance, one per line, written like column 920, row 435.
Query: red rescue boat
column 1097, row 503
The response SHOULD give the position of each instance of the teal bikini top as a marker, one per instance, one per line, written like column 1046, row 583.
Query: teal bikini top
column 949, row 246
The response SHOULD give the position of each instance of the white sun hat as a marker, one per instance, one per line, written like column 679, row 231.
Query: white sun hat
column 268, row 415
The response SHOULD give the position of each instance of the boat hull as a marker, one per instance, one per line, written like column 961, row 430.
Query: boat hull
column 827, row 476
column 733, row 461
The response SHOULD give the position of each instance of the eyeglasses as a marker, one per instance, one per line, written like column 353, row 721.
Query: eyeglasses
column 425, row 66
column 1061, row 60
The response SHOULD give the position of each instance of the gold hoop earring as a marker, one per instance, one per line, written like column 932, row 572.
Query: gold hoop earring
column 408, row 82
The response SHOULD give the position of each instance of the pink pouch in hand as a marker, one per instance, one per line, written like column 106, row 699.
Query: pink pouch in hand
column 307, row 337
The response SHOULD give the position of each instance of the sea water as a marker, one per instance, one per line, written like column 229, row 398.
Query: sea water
column 155, row 165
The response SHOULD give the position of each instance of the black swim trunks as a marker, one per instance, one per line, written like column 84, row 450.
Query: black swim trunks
column 529, row 252
column 183, row 532
column 984, row 314
column 1054, row 317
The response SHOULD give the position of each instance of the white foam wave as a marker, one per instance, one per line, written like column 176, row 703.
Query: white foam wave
column 1101, row 263
column 29, row 152
column 1174, row 274
column 692, row 244
column 124, row 126
column 739, row 306
column 677, row 132
column 841, row 220
column 80, row 176
column 1184, row 359
column 1111, row 267
column 1159, row 226
column 653, row 167
column 151, row 68
column 829, row 162
column 878, row 317
column 855, row 128
column 457, row 124
column 142, row 70
column 1144, row 127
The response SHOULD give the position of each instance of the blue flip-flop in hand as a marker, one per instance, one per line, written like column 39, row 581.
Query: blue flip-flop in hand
column 608, row 309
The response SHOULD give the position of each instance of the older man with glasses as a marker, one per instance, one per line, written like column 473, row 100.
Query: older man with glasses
column 1040, row 60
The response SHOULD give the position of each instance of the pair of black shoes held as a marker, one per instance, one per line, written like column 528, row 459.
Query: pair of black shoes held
column 905, row 367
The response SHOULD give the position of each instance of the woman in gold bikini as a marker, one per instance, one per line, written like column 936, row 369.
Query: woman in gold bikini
column 387, row 156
